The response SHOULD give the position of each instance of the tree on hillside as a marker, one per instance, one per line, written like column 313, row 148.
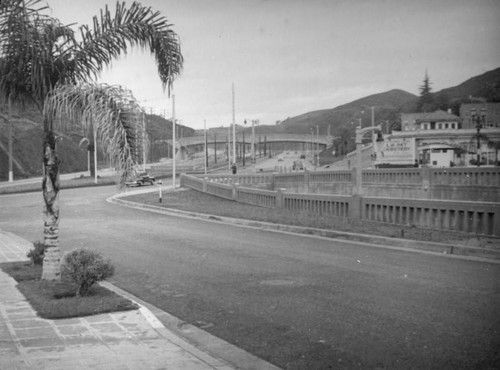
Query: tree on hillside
column 425, row 101
column 41, row 61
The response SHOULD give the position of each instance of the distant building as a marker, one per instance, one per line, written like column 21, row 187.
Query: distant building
column 439, row 139
column 438, row 120
column 488, row 114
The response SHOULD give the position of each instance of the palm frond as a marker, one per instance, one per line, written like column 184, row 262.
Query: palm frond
column 32, row 56
column 110, row 111
column 110, row 36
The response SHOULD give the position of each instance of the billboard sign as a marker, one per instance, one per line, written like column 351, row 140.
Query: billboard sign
column 395, row 151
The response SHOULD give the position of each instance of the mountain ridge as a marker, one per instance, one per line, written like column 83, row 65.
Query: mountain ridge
column 339, row 122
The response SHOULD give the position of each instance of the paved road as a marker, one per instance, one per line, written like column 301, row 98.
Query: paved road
column 298, row 302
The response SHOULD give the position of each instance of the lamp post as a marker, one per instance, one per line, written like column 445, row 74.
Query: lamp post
column 478, row 120
column 254, row 122
column 360, row 132
column 311, row 143
column 317, row 145
column 173, row 141
column 228, row 145
column 9, row 122
column 205, row 141
column 234, row 129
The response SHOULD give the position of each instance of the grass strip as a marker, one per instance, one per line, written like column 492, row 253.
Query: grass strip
column 65, row 184
column 195, row 201
column 56, row 299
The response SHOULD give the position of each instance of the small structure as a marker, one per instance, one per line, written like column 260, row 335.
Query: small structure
column 437, row 139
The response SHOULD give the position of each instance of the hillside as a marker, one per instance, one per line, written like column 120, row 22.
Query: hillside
column 27, row 143
column 340, row 122
column 486, row 86
column 347, row 115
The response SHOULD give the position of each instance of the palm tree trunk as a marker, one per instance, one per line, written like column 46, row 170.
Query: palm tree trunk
column 92, row 151
column 50, row 189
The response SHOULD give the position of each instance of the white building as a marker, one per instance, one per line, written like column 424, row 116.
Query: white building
column 436, row 139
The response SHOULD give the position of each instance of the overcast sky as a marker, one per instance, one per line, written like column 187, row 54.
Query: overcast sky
column 288, row 57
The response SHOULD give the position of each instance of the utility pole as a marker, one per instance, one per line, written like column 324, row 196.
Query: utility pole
column 173, row 140
column 11, row 167
column 243, row 148
column 206, row 153
column 234, row 129
column 95, row 154
column 228, row 147
column 373, row 132
column 144, row 140
column 253, row 141
column 215, row 147
column 317, row 145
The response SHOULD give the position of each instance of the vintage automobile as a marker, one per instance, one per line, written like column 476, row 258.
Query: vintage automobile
column 143, row 179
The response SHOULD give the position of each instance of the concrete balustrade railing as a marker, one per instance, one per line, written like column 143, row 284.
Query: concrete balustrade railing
column 258, row 180
column 324, row 205
column 471, row 217
column 193, row 182
column 393, row 176
column 257, row 197
column 469, row 176
column 221, row 190
column 467, row 216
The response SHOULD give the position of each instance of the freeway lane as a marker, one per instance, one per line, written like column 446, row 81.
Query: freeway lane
column 298, row 302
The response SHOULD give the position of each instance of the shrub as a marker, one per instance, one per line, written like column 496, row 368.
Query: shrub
column 37, row 253
column 85, row 267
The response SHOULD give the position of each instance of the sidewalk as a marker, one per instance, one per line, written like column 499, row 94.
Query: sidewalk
column 122, row 340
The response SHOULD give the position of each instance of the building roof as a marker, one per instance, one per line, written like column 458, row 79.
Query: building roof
column 438, row 115
column 411, row 117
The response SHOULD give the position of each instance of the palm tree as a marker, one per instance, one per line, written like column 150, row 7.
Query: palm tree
column 41, row 61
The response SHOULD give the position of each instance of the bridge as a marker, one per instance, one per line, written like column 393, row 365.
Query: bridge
column 265, row 143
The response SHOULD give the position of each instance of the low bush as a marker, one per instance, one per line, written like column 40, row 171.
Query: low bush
column 84, row 268
column 37, row 254
column 53, row 299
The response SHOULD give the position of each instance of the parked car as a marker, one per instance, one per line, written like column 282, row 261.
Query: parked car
column 142, row 180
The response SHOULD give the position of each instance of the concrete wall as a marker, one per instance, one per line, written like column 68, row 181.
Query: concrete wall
column 475, row 217
column 460, row 184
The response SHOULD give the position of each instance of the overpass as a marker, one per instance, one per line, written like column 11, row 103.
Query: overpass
column 264, row 143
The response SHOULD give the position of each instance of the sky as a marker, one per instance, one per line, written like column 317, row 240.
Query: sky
column 289, row 57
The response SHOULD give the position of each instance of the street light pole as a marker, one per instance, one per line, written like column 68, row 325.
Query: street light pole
column 373, row 125
column 229, row 148
column 9, row 122
column 317, row 145
column 253, row 140
column 360, row 132
column 206, row 154
column 95, row 156
column 478, row 120
column 173, row 141
column 234, row 130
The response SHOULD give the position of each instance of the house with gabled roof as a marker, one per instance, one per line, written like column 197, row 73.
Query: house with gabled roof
column 438, row 120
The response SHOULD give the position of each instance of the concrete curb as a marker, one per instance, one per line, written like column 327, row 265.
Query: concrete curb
column 194, row 339
column 377, row 241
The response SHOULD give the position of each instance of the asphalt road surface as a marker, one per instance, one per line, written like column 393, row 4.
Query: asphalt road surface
column 299, row 302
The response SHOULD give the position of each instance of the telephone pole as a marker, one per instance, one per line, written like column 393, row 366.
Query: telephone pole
column 173, row 141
